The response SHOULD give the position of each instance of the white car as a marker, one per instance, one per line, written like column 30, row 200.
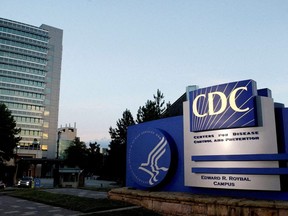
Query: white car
column 2, row 185
column 25, row 182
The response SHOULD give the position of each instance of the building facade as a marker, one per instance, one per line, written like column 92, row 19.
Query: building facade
column 30, row 69
column 66, row 136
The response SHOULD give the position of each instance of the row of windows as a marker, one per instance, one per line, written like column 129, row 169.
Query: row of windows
column 31, row 114
column 24, row 40
column 23, row 45
column 22, row 75
column 28, row 139
column 29, row 126
column 6, row 22
column 22, row 94
column 27, row 113
column 25, row 34
column 23, row 69
column 20, row 100
column 24, row 106
column 22, row 63
column 22, row 51
column 28, row 120
column 22, row 81
column 30, row 133
column 21, row 87
column 23, row 57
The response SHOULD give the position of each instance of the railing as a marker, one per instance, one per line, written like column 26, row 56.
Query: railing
column 30, row 147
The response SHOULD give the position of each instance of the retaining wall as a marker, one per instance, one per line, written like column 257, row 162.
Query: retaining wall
column 174, row 204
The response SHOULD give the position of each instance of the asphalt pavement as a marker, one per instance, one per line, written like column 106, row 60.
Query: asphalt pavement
column 17, row 207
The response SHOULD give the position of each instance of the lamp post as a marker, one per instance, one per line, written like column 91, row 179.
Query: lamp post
column 16, row 164
column 56, row 173
column 58, row 140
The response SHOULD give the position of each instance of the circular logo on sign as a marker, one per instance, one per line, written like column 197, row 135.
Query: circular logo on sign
column 149, row 157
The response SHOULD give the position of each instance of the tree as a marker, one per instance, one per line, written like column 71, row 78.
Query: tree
column 116, row 161
column 95, row 159
column 153, row 110
column 119, row 134
column 76, row 154
column 160, row 102
column 8, row 134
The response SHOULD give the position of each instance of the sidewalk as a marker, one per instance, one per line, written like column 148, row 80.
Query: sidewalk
column 13, row 206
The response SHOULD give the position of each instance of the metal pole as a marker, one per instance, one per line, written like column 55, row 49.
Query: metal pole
column 56, row 173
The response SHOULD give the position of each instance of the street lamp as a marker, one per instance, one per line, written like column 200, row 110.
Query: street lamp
column 56, row 173
column 16, row 164
column 58, row 140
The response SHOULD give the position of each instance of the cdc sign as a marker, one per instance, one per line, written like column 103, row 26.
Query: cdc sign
column 231, row 136
column 228, row 105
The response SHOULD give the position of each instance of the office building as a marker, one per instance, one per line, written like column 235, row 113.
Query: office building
column 66, row 136
column 30, row 69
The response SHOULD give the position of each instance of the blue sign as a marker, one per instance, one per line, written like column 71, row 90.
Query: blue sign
column 238, row 151
column 37, row 182
column 149, row 157
column 223, row 106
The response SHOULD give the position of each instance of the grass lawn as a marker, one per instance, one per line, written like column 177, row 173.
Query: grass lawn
column 75, row 203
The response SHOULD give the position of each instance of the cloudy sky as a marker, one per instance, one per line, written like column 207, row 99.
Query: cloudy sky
column 117, row 53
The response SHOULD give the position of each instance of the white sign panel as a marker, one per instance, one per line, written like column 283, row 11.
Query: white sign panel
column 260, row 139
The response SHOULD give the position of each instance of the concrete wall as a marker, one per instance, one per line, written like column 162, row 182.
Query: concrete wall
column 174, row 204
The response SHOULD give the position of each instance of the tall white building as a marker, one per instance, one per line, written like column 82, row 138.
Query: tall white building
column 30, row 69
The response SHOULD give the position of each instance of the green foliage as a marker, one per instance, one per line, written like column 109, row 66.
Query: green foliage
column 95, row 159
column 116, row 161
column 76, row 154
column 153, row 109
column 89, row 159
column 119, row 133
column 8, row 134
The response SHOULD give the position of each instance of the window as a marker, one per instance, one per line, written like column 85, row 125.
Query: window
column 46, row 124
column 44, row 147
column 45, row 136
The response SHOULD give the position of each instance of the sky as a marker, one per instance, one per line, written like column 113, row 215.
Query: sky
column 117, row 53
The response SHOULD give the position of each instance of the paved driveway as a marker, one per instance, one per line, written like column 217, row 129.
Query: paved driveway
column 14, row 206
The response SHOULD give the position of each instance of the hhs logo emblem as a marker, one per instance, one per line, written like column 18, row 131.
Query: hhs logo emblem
column 223, row 106
column 149, row 158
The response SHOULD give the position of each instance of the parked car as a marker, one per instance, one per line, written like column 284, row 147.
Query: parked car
column 25, row 182
column 2, row 185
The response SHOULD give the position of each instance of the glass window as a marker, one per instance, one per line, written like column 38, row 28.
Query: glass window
column 45, row 136
column 44, row 147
